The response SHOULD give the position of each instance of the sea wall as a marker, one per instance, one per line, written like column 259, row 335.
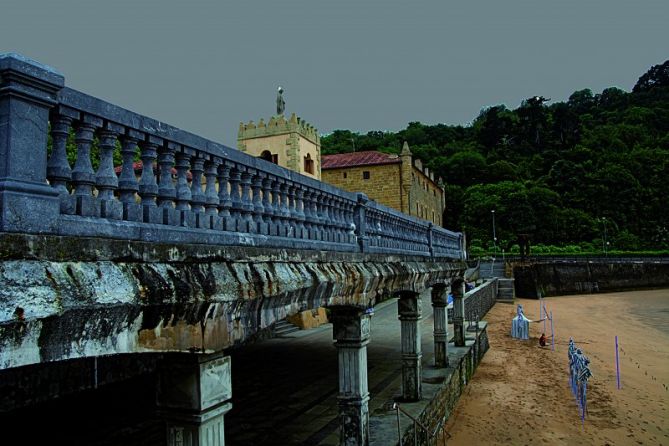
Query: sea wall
column 435, row 414
column 578, row 277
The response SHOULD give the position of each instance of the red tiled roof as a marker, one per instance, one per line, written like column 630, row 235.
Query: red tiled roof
column 370, row 157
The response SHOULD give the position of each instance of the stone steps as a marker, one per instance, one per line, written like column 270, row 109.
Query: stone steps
column 492, row 269
column 505, row 291
column 284, row 328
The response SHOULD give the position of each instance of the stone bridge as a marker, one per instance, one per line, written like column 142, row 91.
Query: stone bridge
column 202, row 253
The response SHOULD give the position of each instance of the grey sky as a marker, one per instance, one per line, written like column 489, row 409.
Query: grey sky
column 361, row 65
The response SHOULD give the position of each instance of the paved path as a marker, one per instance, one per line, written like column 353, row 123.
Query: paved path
column 285, row 389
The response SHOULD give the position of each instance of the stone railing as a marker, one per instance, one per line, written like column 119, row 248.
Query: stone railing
column 198, row 191
column 478, row 301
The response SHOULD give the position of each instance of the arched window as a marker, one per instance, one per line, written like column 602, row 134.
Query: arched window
column 308, row 164
column 269, row 156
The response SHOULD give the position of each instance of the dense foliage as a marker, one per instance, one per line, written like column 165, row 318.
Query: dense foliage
column 590, row 170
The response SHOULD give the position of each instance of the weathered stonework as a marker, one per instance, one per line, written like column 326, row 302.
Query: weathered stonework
column 124, row 297
column 588, row 276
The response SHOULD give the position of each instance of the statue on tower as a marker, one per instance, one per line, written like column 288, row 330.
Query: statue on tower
column 280, row 103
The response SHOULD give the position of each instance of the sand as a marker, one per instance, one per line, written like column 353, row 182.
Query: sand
column 520, row 393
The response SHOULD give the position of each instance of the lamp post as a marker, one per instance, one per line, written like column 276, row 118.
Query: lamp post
column 604, row 242
column 494, row 235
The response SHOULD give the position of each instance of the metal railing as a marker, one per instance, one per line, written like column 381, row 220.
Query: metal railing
column 431, row 438
column 568, row 258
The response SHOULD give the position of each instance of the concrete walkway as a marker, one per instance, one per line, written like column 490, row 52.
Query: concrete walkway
column 285, row 389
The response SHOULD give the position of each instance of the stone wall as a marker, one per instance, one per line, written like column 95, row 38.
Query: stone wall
column 580, row 277
column 441, row 406
column 478, row 301
column 383, row 185
column 426, row 198
column 309, row 319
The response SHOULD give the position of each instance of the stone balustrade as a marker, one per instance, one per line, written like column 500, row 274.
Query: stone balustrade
column 197, row 191
column 479, row 300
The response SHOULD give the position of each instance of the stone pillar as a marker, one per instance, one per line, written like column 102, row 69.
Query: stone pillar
column 458, row 291
column 352, row 333
column 409, row 309
column 439, row 306
column 193, row 397
column 27, row 91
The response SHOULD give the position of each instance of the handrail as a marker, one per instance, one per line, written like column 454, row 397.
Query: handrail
column 429, row 435
column 198, row 191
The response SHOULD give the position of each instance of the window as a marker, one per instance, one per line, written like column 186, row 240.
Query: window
column 269, row 156
column 365, row 174
column 308, row 164
column 345, row 175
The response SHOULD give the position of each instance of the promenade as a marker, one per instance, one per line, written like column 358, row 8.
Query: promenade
column 285, row 389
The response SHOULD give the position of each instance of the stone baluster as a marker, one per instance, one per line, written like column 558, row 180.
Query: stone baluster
column 183, row 191
column 211, row 196
column 268, row 199
column 335, row 225
column 259, row 224
column 224, row 202
column 247, row 202
column 127, row 181
column 167, row 193
column 318, row 201
column 148, row 187
column 391, row 236
column 328, row 218
column 341, row 219
column 349, row 221
column 106, row 180
column 58, row 169
column 236, row 198
column 285, row 223
column 306, row 209
column 83, row 175
column 198, row 199
column 300, row 212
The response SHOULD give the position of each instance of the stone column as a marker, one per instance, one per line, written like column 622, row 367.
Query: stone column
column 193, row 397
column 409, row 309
column 439, row 310
column 352, row 333
column 27, row 91
column 458, row 291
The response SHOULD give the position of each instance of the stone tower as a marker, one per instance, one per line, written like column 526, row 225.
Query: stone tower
column 291, row 143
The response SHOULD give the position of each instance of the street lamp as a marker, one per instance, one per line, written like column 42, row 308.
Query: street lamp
column 494, row 235
column 604, row 242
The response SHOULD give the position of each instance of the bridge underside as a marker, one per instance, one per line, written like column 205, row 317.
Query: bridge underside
column 130, row 297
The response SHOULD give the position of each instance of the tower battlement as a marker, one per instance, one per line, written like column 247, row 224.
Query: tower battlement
column 278, row 125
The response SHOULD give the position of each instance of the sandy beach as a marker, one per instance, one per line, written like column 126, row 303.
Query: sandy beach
column 520, row 393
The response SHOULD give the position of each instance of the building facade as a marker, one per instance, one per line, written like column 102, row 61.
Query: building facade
column 397, row 181
column 293, row 143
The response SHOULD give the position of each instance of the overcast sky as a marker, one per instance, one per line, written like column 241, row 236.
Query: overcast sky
column 344, row 64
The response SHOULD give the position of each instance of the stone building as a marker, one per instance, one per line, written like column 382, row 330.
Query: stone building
column 291, row 143
column 397, row 181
